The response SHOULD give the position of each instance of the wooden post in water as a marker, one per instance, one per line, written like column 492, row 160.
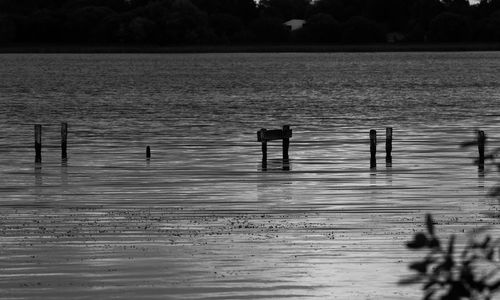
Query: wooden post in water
column 388, row 144
column 148, row 153
column 287, row 133
column 265, row 135
column 64, row 141
column 481, row 140
column 38, row 143
column 263, row 140
column 286, row 142
column 373, row 148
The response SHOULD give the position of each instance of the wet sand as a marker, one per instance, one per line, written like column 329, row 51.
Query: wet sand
column 350, row 248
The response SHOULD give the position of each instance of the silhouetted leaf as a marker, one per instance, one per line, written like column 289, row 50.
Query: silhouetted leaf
column 468, row 144
column 419, row 266
column 495, row 192
column 486, row 242
column 419, row 241
column 466, row 275
column 450, row 244
column 434, row 243
column 430, row 224
column 494, row 286
column 411, row 280
column 447, row 264
column 429, row 284
column 457, row 291
column 429, row 294
column 490, row 253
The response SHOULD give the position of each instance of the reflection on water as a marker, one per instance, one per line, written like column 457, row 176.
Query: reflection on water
column 201, row 219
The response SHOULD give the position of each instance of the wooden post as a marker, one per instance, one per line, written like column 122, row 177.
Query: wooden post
column 148, row 153
column 286, row 142
column 265, row 135
column 373, row 148
column 388, row 144
column 38, row 143
column 64, row 141
column 481, row 139
column 262, row 139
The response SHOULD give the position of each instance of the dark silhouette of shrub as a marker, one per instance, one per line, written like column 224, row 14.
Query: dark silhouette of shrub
column 447, row 275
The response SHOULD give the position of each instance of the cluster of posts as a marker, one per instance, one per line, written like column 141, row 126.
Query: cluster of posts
column 264, row 136
column 388, row 147
column 38, row 143
column 285, row 134
column 64, row 144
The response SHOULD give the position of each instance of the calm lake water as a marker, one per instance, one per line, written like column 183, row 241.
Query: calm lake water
column 201, row 220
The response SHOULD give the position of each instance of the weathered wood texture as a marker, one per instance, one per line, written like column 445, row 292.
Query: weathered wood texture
column 388, row 143
column 64, row 141
column 38, row 143
column 277, row 134
column 373, row 148
column 481, row 140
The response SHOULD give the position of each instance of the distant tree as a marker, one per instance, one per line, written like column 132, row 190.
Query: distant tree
column 8, row 29
column 185, row 23
column 245, row 10
column 284, row 9
column 423, row 11
column 321, row 28
column 394, row 13
column 46, row 26
column 116, row 5
column 269, row 30
column 20, row 6
column 141, row 30
column 457, row 6
column 335, row 8
column 84, row 24
column 362, row 30
column 226, row 27
column 489, row 28
column 229, row 21
column 449, row 27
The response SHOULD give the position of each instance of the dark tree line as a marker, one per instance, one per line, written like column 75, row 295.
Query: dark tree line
column 169, row 22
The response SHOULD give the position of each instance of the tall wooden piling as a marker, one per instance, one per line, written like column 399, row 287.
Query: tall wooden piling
column 38, row 143
column 64, row 141
column 481, row 140
column 373, row 148
column 286, row 142
column 264, row 147
column 148, row 153
column 388, row 144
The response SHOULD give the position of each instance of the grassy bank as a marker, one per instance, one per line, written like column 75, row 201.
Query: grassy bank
column 246, row 48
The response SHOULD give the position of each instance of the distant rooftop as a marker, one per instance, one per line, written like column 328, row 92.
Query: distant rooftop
column 295, row 24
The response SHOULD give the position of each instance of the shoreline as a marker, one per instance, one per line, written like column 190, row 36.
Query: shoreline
column 248, row 48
